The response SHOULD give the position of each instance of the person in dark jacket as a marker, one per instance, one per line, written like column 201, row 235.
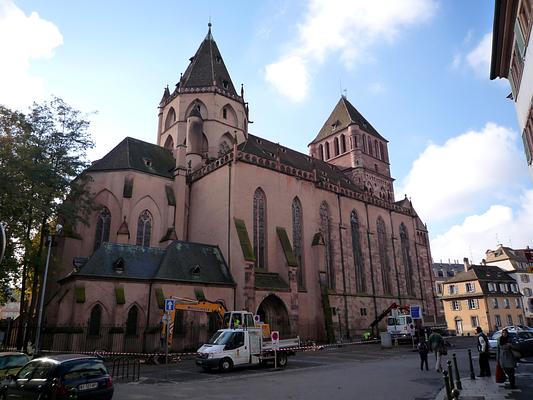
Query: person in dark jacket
column 423, row 350
column 483, row 350
column 506, row 358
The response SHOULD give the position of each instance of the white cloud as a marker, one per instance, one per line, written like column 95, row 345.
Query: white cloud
column 479, row 58
column 289, row 76
column 24, row 38
column 449, row 180
column 348, row 27
column 478, row 233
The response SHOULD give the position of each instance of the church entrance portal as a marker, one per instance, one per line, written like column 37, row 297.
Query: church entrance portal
column 272, row 311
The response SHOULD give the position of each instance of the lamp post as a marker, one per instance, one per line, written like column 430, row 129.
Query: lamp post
column 43, row 288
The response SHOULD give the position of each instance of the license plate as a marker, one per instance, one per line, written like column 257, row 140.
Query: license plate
column 87, row 386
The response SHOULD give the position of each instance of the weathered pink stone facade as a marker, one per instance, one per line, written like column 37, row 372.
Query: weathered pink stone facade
column 218, row 166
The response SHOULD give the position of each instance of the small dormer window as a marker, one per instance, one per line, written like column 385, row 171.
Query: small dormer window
column 218, row 59
column 225, row 113
column 147, row 162
column 225, row 84
column 195, row 270
column 335, row 125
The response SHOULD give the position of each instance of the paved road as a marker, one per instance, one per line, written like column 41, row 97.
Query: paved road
column 363, row 372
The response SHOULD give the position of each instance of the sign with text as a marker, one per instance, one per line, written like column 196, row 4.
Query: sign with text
column 274, row 335
column 415, row 312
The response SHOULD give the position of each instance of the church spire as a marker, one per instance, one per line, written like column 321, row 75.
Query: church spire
column 207, row 68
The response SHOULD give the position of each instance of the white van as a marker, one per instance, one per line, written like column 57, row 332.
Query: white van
column 401, row 326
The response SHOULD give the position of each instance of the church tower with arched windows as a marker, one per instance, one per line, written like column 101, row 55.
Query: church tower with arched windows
column 203, row 116
column 350, row 142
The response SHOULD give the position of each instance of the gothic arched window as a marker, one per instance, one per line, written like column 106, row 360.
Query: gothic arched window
column 327, row 150
column 382, row 151
column 297, row 221
column 171, row 118
column 103, row 225
column 343, row 144
column 260, row 245
column 383, row 256
column 406, row 259
column 321, row 152
column 325, row 230
column 360, row 283
column 95, row 320
column 336, row 146
column 144, row 229
column 131, row 322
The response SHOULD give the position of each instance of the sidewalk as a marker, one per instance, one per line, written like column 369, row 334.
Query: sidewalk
column 488, row 389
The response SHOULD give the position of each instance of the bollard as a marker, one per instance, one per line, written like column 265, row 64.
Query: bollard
column 447, row 385
column 458, row 383
column 472, row 374
column 450, row 374
column 455, row 394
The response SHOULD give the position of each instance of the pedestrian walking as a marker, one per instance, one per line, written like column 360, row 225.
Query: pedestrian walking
column 483, row 351
column 506, row 358
column 438, row 347
column 423, row 350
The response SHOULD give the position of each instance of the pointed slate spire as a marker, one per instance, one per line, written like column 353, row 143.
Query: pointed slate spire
column 207, row 68
column 343, row 115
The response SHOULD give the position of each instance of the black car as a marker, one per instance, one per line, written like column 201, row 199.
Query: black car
column 67, row 376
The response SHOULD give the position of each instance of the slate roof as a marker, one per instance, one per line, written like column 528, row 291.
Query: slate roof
column 137, row 155
column 194, row 262
column 207, row 68
column 180, row 262
column 489, row 273
column 138, row 262
column 270, row 150
column 343, row 115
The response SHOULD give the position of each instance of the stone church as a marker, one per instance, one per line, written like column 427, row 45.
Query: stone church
column 315, row 244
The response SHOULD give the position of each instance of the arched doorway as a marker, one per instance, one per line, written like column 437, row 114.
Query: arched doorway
column 272, row 311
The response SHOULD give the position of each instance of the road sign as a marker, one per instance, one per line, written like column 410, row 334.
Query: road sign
column 169, row 305
column 257, row 318
column 274, row 335
column 415, row 312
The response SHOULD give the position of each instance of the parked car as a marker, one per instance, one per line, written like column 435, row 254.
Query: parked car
column 521, row 340
column 11, row 362
column 58, row 377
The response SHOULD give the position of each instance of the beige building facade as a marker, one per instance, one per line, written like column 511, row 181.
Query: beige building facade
column 484, row 296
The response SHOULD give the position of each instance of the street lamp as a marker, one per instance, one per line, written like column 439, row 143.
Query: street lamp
column 43, row 288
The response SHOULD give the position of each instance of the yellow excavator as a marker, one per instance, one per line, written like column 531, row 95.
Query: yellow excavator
column 229, row 319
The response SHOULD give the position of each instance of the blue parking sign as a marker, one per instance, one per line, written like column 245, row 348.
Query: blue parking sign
column 415, row 312
column 169, row 304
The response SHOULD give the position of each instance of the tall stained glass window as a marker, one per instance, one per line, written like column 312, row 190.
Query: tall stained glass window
column 406, row 259
column 144, row 229
column 360, row 283
column 103, row 225
column 383, row 256
column 325, row 230
column 297, row 221
column 260, row 245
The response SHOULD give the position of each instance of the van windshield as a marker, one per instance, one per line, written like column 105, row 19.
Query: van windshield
column 221, row 337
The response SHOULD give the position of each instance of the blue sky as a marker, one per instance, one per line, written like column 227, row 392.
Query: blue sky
column 416, row 69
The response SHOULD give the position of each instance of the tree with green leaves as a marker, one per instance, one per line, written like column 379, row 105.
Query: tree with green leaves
column 42, row 154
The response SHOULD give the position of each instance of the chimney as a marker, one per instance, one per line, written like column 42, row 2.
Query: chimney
column 467, row 263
